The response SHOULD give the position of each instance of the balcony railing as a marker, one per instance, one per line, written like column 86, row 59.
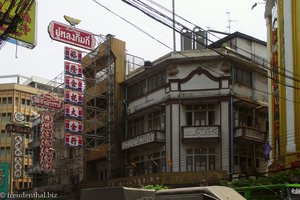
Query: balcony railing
column 250, row 133
column 198, row 132
column 150, row 137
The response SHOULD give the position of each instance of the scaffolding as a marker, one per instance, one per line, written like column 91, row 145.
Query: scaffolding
column 99, row 69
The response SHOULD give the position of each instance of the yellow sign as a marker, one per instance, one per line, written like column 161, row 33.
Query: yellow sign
column 18, row 21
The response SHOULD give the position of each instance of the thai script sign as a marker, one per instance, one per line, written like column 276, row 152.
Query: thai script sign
column 73, row 54
column 73, row 126
column 15, row 128
column 18, row 156
column 139, row 140
column 73, row 69
column 71, row 35
column 200, row 132
column 47, row 101
column 73, row 140
column 46, row 153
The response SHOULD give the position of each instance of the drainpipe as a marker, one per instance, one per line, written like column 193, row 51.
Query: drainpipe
column 231, row 126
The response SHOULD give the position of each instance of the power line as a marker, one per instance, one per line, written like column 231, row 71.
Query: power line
column 187, row 56
column 235, row 46
column 159, row 14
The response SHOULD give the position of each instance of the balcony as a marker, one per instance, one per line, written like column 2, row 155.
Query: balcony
column 147, row 138
column 200, row 132
column 249, row 133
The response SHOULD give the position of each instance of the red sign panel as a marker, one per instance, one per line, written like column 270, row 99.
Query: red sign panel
column 73, row 140
column 73, row 111
column 73, row 83
column 73, row 97
column 47, row 101
column 73, row 54
column 71, row 35
column 73, row 69
column 73, row 126
column 14, row 128
column 46, row 154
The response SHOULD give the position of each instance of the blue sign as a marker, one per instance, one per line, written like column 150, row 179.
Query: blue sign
column 4, row 180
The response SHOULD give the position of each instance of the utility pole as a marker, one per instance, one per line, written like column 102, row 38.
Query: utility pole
column 174, row 33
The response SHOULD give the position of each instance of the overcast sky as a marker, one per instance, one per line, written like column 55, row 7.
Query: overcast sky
column 47, row 58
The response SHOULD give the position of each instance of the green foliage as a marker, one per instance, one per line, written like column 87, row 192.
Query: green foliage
column 155, row 187
column 287, row 176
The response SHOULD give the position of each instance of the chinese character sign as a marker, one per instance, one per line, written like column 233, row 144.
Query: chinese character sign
column 73, row 54
column 73, row 111
column 73, row 140
column 73, row 97
column 73, row 126
column 73, row 83
column 73, row 69
column 46, row 153
column 18, row 151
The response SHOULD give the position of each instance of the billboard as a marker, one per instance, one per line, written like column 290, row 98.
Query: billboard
column 25, row 33
column 71, row 35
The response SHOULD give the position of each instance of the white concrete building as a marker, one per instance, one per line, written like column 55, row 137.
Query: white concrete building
column 199, row 110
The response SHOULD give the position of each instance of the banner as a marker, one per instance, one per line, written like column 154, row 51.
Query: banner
column 73, row 126
column 74, row 55
column 73, row 97
column 46, row 147
column 73, row 69
column 73, row 140
column 73, row 83
column 74, row 112
column 47, row 101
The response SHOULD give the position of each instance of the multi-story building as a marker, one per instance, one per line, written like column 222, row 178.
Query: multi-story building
column 62, row 170
column 15, row 96
column 282, row 17
column 199, row 111
column 189, row 117
column 67, row 171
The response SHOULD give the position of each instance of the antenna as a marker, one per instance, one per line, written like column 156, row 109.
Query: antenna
column 229, row 21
